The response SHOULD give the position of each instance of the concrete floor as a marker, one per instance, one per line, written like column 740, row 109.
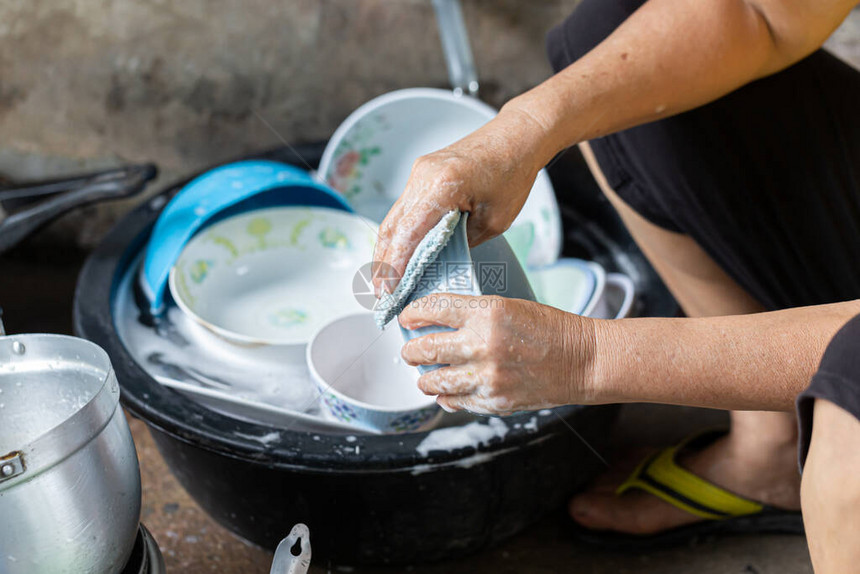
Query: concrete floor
column 36, row 290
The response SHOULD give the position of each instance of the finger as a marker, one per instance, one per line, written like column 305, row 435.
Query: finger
column 449, row 381
column 449, row 348
column 387, row 230
column 480, row 225
column 449, row 403
column 469, row 403
column 383, row 241
column 383, row 278
column 476, row 231
column 407, row 232
column 445, row 309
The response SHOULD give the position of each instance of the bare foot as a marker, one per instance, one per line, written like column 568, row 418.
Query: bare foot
column 765, row 472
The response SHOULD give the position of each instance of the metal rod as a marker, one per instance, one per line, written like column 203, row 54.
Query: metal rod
column 455, row 44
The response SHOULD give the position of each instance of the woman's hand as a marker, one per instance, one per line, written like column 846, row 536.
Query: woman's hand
column 506, row 355
column 489, row 174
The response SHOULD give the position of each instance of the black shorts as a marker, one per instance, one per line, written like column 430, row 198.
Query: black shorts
column 766, row 180
column 837, row 380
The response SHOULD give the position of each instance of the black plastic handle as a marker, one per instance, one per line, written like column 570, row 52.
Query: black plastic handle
column 65, row 195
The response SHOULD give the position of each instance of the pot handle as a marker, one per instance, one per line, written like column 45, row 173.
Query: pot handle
column 455, row 44
column 285, row 562
column 66, row 195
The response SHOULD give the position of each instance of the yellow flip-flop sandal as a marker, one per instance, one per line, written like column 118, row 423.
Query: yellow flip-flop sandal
column 722, row 512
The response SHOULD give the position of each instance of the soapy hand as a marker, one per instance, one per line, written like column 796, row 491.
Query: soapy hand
column 506, row 355
column 489, row 174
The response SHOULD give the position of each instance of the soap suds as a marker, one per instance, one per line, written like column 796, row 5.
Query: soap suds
column 468, row 462
column 265, row 439
column 473, row 435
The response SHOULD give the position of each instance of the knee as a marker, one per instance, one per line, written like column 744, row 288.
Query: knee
column 585, row 28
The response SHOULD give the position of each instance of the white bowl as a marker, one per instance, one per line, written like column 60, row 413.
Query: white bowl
column 370, row 156
column 569, row 285
column 363, row 380
column 572, row 285
column 617, row 299
column 273, row 276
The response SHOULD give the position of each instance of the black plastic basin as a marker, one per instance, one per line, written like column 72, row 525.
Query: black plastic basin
column 374, row 500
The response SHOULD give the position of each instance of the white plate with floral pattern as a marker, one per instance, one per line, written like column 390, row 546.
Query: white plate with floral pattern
column 370, row 156
column 273, row 276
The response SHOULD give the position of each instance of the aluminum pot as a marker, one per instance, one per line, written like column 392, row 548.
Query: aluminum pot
column 69, row 478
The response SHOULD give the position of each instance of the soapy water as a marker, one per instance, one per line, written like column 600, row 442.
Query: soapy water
column 277, row 384
column 260, row 379
column 275, row 393
column 473, row 435
column 254, row 374
column 38, row 396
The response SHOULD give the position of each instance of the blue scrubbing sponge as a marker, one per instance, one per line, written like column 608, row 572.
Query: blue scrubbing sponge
column 390, row 305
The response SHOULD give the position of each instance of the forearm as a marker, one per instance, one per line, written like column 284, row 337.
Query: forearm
column 671, row 56
column 746, row 362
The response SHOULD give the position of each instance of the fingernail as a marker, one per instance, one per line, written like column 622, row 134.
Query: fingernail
column 446, row 408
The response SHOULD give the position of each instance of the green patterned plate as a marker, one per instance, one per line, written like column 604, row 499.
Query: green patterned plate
column 273, row 276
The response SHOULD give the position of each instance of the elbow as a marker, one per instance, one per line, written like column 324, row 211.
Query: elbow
column 793, row 30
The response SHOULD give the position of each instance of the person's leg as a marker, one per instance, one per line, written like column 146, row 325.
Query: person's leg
column 831, row 490
column 829, row 413
column 757, row 459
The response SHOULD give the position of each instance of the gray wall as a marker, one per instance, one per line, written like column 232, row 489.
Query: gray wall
column 91, row 83
column 88, row 83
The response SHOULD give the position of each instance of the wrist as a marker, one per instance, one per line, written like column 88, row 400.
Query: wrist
column 580, row 338
column 601, row 379
column 533, row 132
column 606, row 361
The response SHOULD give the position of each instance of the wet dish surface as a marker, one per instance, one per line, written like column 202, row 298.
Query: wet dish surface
column 370, row 156
column 363, row 380
column 37, row 397
column 570, row 284
column 273, row 276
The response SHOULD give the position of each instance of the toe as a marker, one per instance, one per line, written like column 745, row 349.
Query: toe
column 596, row 511
column 606, row 511
column 632, row 513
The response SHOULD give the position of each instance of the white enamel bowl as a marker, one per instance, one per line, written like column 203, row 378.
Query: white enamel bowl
column 583, row 288
column 617, row 299
column 362, row 379
column 273, row 276
column 572, row 285
column 370, row 156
